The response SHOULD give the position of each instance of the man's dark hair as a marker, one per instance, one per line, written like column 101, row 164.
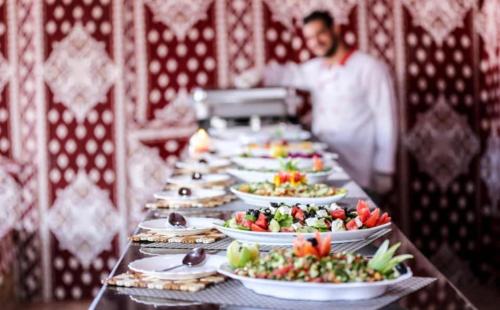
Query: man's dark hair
column 322, row 16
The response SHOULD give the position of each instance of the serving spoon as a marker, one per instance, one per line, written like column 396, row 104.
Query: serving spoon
column 193, row 258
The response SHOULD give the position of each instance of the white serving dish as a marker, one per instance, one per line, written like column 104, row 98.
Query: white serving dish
column 251, row 176
column 286, row 238
column 275, row 163
column 262, row 137
column 292, row 148
column 314, row 291
column 151, row 265
column 264, row 201
column 196, row 195
column 194, row 225
column 206, row 180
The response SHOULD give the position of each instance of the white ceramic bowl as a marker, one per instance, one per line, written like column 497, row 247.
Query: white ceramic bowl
column 286, row 238
column 251, row 176
column 314, row 291
column 264, row 201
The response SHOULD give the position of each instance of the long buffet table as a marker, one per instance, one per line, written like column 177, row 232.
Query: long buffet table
column 441, row 294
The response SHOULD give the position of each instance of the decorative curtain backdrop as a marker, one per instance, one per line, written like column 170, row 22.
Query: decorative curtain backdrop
column 94, row 111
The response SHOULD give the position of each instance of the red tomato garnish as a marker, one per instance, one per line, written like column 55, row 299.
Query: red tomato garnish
column 373, row 219
column 299, row 214
column 239, row 217
column 246, row 223
column 282, row 271
column 384, row 218
column 338, row 214
column 324, row 245
column 255, row 227
column 298, row 246
column 363, row 210
column 351, row 225
column 262, row 221
column 309, row 249
column 283, row 177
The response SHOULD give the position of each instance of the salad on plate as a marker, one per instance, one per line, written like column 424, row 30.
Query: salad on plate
column 308, row 218
column 310, row 267
column 311, row 261
column 289, row 184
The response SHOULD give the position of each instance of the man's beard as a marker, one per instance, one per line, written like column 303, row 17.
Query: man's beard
column 333, row 49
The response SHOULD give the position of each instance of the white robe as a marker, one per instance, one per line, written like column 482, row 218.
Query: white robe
column 354, row 110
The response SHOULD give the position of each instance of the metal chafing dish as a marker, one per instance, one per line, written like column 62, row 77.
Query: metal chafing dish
column 227, row 104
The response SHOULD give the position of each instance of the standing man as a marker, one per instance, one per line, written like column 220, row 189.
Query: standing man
column 353, row 101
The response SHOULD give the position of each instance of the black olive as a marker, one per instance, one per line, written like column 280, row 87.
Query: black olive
column 256, row 213
column 313, row 241
column 203, row 161
column 401, row 268
column 184, row 191
column 196, row 176
column 267, row 211
column 312, row 212
column 274, row 204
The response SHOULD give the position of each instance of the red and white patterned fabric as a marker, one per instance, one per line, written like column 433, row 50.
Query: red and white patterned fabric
column 94, row 108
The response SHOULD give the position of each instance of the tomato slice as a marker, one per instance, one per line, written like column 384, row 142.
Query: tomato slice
column 373, row 219
column 338, row 214
column 282, row 271
column 283, row 177
column 309, row 249
column 246, row 223
column 363, row 210
column 351, row 225
column 324, row 244
column 384, row 218
column 298, row 246
column 299, row 214
column 254, row 227
column 239, row 217
column 262, row 221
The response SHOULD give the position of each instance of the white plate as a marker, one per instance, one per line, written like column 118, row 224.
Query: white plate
column 315, row 291
column 196, row 194
column 150, row 265
column 275, row 163
column 261, row 137
column 286, row 238
column 262, row 176
column 264, row 201
column 195, row 225
column 260, row 150
column 206, row 180
column 195, row 165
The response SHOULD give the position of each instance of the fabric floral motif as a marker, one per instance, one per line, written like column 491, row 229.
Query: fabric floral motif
column 443, row 143
column 83, row 219
column 79, row 55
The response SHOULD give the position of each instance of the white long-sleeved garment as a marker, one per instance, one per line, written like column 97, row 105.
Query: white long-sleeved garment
column 354, row 110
